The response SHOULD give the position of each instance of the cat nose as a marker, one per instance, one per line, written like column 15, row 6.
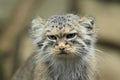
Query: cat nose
column 61, row 48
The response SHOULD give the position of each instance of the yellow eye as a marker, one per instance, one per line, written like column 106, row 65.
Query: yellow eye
column 52, row 37
column 71, row 35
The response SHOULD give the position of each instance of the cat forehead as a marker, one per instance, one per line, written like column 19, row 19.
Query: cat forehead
column 62, row 18
column 61, row 23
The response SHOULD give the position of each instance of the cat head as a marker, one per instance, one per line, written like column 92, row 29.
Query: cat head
column 64, row 36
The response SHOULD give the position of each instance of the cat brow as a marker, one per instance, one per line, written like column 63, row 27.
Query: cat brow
column 73, row 31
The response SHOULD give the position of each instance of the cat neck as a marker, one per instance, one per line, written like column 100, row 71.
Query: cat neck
column 68, row 69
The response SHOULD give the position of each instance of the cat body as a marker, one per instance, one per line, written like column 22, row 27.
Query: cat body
column 65, row 50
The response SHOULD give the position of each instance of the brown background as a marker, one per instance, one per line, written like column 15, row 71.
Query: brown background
column 16, row 16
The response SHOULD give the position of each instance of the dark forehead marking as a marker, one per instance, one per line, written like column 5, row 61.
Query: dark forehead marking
column 60, row 21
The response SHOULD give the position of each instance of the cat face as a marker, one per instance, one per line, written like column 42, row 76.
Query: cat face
column 64, row 36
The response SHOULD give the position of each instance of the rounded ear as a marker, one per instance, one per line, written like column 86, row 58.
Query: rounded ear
column 36, row 29
column 87, row 22
column 37, row 22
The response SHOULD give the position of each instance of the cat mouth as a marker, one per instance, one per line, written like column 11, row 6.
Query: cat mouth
column 63, row 52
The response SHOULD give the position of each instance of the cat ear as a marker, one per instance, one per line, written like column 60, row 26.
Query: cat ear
column 37, row 23
column 87, row 22
column 37, row 29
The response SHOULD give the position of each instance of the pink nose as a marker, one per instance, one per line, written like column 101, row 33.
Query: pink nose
column 61, row 45
column 61, row 48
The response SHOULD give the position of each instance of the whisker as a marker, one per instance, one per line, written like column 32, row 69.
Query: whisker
column 97, row 50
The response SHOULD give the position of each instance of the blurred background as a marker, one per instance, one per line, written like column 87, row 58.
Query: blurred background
column 15, row 20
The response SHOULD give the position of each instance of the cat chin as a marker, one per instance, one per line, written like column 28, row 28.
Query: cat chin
column 66, row 56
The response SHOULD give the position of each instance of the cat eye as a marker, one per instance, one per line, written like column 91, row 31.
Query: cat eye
column 52, row 37
column 72, row 35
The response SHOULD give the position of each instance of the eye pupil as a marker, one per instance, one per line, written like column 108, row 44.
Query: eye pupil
column 68, row 36
column 52, row 37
